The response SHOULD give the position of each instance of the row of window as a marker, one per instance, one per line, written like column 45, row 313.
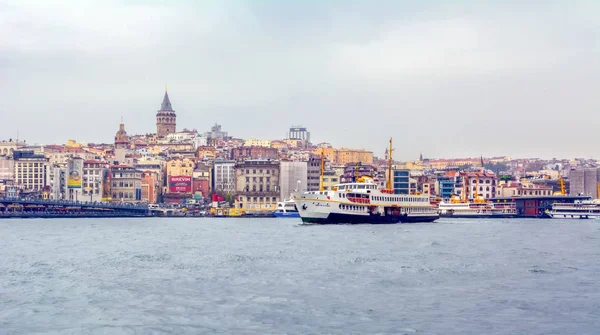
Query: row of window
column 267, row 171
column 123, row 195
column 396, row 199
column 260, row 188
column 258, row 199
column 123, row 184
column 259, row 178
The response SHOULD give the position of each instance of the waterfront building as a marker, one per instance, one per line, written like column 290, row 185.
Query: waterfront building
column 517, row 189
column 293, row 177
column 93, row 174
column 166, row 118
column 201, row 180
column 223, row 177
column 126, row 183
column 257, row 184
column 30, row 170
column 56, row 181
column 149, row 187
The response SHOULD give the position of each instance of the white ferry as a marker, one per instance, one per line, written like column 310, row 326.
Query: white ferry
column 477, row 210
column 586, row 209
column 363, row 202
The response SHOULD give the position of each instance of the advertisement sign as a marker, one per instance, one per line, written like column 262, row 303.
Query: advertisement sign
column 180, row 184
column 75, row 173
column 106, row 191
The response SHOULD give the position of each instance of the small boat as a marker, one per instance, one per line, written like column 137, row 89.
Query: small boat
column 286, row 209
column 586, row 209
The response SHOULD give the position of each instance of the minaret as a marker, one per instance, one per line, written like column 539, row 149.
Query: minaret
column 166, row 119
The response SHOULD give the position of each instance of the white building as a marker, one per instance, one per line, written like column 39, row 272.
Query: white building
column 30, row 170
column 93, row 172
column 223, row 176
column 484, row 184
column 57, row 181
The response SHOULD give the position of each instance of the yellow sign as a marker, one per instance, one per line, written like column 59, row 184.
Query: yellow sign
column 75, row 170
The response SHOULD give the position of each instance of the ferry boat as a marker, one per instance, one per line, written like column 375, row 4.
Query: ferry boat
column 363, row 202
column 478, row 207
column 586, row 209
column 286, row 209
column 477, row 210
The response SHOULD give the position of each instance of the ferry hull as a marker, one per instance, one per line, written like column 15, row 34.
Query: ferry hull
column 581, row 216
column 479, row 216
column 338, row 218
column 287, row 214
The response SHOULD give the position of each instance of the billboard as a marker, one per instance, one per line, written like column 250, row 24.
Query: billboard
column 75, row 170
column 106, row 191
column 180, row 184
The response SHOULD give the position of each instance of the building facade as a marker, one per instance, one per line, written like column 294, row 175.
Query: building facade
column 126, row 183
column 223, row 177
column 93, row 174
column 30, row 170
column 257, row 185
column 477, row 183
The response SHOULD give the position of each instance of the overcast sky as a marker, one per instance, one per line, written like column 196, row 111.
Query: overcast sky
column 519, row 78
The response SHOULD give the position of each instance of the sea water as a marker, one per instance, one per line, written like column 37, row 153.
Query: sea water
column 277, row 276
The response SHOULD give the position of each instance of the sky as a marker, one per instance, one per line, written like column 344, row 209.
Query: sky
column 443, row 78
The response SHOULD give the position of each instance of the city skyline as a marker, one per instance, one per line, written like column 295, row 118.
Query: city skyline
column 443, row 80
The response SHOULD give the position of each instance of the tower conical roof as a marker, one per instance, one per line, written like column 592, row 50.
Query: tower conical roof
column 166, row 104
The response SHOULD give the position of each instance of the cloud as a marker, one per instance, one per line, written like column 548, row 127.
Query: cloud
column 458, row 79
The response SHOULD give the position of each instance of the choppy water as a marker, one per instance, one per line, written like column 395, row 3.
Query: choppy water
column 273, row 276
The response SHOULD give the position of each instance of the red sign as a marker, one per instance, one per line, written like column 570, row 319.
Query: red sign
column 180, row 184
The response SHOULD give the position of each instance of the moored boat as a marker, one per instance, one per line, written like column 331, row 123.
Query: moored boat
column 586, row 209
column 286, row 209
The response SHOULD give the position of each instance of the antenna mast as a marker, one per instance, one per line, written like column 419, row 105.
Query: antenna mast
column 389, row 180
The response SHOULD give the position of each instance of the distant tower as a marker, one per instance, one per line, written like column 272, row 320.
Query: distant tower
column 166, row 119
column 121, row 138
column 421, row 157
